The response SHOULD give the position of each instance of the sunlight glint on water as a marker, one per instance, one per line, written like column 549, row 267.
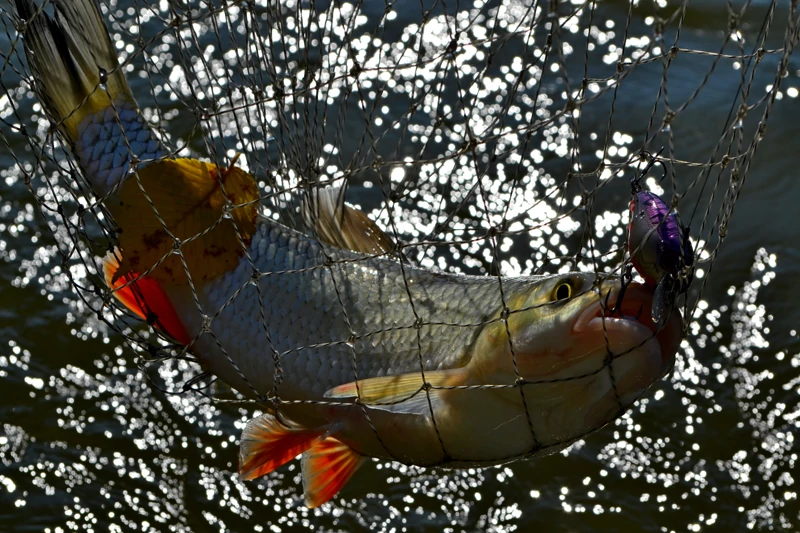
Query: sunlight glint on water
column 88, row 442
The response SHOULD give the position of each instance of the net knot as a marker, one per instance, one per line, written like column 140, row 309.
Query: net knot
column 452, row 45
column 206, row 324
column 227, row 210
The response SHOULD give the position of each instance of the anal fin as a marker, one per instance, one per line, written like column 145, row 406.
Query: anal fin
column 267, row 444
column 327, row 466
column 143, row 296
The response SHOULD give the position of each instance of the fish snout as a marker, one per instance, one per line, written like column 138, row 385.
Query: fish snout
column 628, row 312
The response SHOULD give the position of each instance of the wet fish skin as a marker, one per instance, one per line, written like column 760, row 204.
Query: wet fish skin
column 326, row 310
column 308, row 311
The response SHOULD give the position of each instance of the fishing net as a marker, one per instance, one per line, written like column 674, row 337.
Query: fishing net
column 491, row 138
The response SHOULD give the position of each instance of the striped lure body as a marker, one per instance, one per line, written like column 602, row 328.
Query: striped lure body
column 659, row 244
column 659, row 248
column 351, row 352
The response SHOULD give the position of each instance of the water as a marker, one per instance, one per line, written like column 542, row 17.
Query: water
column 90, row 441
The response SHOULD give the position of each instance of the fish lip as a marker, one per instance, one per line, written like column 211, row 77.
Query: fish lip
column 635, row 315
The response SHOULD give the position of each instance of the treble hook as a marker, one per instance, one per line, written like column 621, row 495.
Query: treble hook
column 625, row 279
column 654, row 160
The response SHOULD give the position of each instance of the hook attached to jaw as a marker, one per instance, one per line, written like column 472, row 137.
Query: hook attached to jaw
column 625, row 279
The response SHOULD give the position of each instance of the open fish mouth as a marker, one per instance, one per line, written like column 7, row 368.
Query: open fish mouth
column 629, row 326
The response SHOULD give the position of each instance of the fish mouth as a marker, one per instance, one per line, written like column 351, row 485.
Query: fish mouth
column 630, row 327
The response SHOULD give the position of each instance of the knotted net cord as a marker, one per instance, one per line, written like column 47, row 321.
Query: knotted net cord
column 460, row 128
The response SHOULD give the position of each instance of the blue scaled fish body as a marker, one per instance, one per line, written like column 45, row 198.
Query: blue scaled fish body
column 352, row 352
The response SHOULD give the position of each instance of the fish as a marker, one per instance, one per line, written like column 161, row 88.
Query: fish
column 347, row 348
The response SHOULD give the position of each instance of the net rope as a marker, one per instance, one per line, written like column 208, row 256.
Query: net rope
column 459, row 127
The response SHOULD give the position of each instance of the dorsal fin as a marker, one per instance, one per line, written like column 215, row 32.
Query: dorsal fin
column 337, row 224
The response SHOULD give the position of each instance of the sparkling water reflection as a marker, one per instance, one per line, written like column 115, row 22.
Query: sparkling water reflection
column 90, row 441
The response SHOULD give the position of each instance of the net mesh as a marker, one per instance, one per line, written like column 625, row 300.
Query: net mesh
column 493, row 138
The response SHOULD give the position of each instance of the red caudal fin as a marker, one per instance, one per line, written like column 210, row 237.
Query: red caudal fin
column 145, row 297
column 327, row 466
column 267, row 444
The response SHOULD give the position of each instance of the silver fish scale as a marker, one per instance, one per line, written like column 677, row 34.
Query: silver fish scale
column 105, row 145
column 324, row 318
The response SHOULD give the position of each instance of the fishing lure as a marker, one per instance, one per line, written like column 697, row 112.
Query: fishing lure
column 659, row 246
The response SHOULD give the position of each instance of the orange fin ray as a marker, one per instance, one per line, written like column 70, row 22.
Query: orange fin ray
column 327, row 466
column 143, row 296
column 267, row 444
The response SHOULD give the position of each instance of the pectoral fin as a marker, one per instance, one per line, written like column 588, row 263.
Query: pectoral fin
column 404, row 393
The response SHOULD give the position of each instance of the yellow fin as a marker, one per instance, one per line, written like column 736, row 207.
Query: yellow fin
column 66, row 53
column 337, row 224
column 326, row 467
column 404, row 393
column 189, row 198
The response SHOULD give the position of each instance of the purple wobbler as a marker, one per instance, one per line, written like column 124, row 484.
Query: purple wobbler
column 659, row 248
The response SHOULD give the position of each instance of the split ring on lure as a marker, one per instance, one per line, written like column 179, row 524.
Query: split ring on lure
column 659, row 246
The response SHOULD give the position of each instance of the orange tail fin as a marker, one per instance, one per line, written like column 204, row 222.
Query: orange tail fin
column 327, row 466
column 146, row 298
column 268, row 444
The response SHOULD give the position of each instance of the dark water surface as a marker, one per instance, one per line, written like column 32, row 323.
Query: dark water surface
column 89, row 443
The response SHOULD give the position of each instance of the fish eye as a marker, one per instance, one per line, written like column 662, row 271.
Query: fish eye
column 563, row 291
